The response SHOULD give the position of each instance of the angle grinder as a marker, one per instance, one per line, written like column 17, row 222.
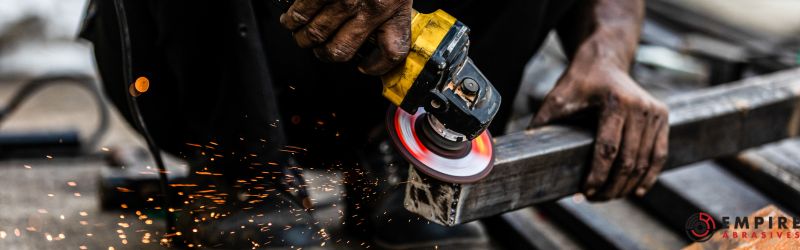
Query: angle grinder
column 443, row 102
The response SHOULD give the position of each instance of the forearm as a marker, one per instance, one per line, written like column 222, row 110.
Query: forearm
column 602, row 31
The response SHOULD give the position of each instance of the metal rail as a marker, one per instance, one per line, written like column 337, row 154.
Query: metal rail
column 550, row 162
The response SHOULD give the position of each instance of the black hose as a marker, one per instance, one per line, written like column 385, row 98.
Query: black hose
column 127, row 64
column 78, row 79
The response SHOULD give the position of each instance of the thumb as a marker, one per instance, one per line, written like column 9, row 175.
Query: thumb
column 556, row 105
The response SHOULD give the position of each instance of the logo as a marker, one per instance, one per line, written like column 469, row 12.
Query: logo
column 700, row 227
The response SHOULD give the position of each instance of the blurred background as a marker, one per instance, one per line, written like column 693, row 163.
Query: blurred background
column 72, row 175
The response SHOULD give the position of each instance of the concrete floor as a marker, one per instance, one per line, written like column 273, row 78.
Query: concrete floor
column 53, row 203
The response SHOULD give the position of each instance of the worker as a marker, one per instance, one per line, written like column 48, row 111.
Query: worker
column 244, row 90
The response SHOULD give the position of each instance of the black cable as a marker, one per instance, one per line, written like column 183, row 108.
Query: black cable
column 127, row 64
column 78, row 79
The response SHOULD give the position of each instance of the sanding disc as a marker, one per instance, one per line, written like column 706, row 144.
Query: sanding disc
column 467, row 167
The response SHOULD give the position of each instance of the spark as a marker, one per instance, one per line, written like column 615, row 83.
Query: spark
column 142, row 84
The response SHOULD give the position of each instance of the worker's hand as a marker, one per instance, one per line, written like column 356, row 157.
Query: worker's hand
column 336, row 29
column 631, row 144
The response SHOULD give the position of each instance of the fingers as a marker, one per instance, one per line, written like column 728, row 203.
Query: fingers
column 300, row 13
column 392, row 38
column 336, row 29
column 606, row 147
column 658, row 159
column 625, row 163
column 344, row 45
column 324, row 24
column 656, row 119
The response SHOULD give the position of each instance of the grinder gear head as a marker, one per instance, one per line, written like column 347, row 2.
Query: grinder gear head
column 455, row 162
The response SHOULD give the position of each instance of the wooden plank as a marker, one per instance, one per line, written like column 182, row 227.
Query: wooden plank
column 705, row 187
column 549, row 162
column 774, row 169
column 618, row 224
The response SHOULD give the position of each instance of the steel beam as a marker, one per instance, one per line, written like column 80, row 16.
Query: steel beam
column 550, row 162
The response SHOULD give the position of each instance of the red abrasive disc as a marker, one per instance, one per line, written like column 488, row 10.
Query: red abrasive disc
column 470, row 166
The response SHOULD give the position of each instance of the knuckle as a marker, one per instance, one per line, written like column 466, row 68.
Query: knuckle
column 339, row 52
column 383, row 5
column 315, row 34
column 635, row 103
column 298, row 17
column 612, row 100
column 606, row 149
column 640, row 169
column 657, row 118
column 648, row 110
column 661, row 107
column 395, row 54
column 658, row 107
column 663, row 111
column 558, row 100
column 626, row 167
column 383, row 8
column 350, row 6
column 659, row 158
